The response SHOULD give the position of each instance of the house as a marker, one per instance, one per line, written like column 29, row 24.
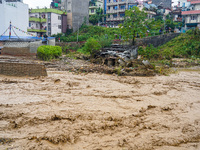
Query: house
column 116, row 10
column 16, row 12
column 192, row 16
column 47, row 21
column 94, row 5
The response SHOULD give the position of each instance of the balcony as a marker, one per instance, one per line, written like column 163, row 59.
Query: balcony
column 115, row 19
column 37, row 19
column 112, row 11
column 91, row 7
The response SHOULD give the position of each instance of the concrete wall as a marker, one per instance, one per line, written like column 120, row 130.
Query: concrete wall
column 21, row 48
column 17, row 14
column 156, row 40
column 77, row 10
column 22, row 69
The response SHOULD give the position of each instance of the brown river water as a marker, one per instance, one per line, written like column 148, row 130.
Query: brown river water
column 67, row 111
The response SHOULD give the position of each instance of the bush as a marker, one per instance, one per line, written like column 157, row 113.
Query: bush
column 47, row 52
column 90, row 47
column 104, row 41
column 149, row 52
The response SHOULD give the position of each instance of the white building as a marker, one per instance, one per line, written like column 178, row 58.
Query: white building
column 47, row 21
column 17, row 13
column 192, row 17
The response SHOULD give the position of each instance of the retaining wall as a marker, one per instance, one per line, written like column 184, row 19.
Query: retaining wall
column 22, row 69
column 156, row 40
column 20, row 48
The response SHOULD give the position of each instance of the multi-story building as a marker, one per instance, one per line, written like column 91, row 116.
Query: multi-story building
column 16, row 12
column 115, row 10
column 192, row 17
column 47, row 21
column 164, row 3
column 58, row 4
column 77, row 13
column 94, row 5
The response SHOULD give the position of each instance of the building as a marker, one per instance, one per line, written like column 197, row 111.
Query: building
column 16, row 12
column 94, row 5
column 115, row 10
column 192, row 16
column 77, row 13
column 47, row 21
column 163, row 3
column 58, row 4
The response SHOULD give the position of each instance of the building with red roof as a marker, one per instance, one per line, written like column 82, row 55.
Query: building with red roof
column 192, row 17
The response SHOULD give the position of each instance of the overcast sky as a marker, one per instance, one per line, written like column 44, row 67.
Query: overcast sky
column 43, row 3
column 40, row 3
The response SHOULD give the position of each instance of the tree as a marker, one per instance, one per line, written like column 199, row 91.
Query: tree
column 134, row 23
column 94, row 19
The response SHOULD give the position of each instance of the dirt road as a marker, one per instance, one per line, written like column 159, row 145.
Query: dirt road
column 66, row 111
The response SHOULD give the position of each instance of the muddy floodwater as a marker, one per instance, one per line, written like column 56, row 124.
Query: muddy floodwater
column 67, row 111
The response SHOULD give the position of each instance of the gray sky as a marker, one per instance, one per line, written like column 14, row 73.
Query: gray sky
column 43, row 3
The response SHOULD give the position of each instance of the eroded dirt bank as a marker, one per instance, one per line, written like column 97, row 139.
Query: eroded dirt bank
column 65, row 111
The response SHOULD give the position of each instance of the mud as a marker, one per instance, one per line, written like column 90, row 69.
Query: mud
column 66, row 111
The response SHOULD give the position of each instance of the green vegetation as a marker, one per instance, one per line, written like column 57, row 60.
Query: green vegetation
column 36, row 30
column 37, row 19
column 90, row 47
column 47, row 52
column 87, row 32
column 134, row 23
column 47, row 10
column 94, row 19
column 184, row 46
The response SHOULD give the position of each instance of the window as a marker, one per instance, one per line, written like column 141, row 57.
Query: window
column 131, row 6
column 36, row 25
column 36, row 16
column 92, row 10
column 49, row 15
column 59, row 17
column 122, row 7
column 115, row 7
column 59, row 26
column 108, row 7
column 122, row 15
column 69, row 11
column 29, row 24
column 193, row 17
column 114, row 15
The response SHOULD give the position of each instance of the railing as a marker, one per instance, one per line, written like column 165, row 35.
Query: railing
column 115, row 11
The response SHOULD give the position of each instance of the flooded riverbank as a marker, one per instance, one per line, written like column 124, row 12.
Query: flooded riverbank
column 68, row 111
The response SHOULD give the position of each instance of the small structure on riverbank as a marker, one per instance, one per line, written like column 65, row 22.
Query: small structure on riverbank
column 11, row 66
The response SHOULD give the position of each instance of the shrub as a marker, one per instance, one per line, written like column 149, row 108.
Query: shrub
column 149, row 52
column 90, row 47
column 104, row 41
column 47, row 52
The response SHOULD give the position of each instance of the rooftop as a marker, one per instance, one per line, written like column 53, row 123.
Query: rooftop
column 191, row 12
column 47, row 10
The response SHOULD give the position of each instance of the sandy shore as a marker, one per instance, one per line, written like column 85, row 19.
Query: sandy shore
column 65, row 111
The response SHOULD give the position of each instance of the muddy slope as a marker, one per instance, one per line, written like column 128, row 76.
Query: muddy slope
column 65, row 111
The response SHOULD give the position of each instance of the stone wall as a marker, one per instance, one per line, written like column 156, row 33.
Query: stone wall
column 22, row 69
column 156, row 40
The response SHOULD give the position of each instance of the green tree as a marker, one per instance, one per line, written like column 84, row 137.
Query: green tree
column 134, row 22
column 94, row 19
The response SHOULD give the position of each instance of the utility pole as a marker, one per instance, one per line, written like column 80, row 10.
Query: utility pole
column 78, row 31
column 10, row 30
